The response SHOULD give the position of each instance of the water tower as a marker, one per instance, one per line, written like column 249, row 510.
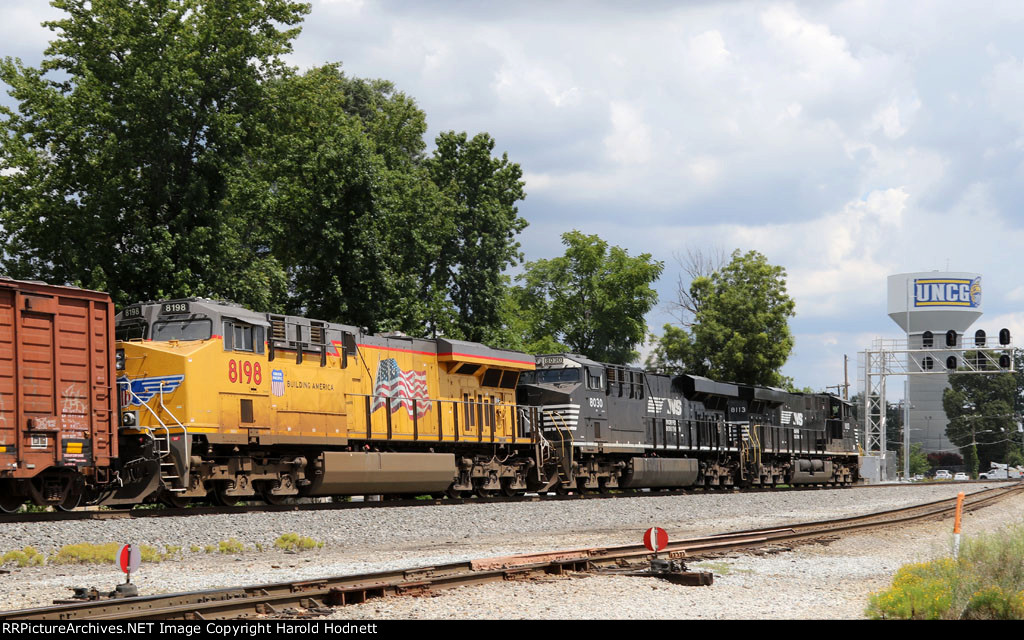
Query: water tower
column 927, row 305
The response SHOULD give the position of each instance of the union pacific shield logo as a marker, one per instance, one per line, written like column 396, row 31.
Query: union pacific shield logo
column 277, row 382
column 137, row 392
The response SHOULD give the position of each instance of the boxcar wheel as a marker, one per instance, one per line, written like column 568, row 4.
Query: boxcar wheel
column 70, row 501
column 10, row 504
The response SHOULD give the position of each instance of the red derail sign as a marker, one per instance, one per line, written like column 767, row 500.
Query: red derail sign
column 655, row 539
column 129, row 558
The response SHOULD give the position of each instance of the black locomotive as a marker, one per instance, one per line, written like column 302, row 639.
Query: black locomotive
column 607, row 426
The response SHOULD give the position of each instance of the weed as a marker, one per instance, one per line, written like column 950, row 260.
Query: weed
column 295, row 542
column 27, row 557
column 986, row 582
column 230, row 546
column 88, row 553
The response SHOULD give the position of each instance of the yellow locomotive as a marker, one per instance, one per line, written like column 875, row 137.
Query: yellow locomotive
column 220, row 401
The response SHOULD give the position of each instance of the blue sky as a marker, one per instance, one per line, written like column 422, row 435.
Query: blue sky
column 846, row 141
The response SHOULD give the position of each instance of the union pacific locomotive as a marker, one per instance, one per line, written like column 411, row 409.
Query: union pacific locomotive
column 183, row 400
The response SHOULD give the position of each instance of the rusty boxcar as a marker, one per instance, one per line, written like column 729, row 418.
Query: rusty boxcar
column 56, row 405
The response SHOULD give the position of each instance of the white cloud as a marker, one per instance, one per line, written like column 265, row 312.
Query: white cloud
column 1005, row 86
column 629, row 141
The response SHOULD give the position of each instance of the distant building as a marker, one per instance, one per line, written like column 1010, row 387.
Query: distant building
column 933, row 302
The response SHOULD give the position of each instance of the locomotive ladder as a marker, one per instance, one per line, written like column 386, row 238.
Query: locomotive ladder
column 162, row 442
column 565, row 461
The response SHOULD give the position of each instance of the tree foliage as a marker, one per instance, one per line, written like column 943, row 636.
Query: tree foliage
column 590, row 301
column 740, row 328
column 918, row 460
column 114, row 167
column 478, row 232
column 980, row 409
column 170, row 141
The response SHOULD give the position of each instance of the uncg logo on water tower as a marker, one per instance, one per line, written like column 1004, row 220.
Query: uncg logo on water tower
column 947, row 292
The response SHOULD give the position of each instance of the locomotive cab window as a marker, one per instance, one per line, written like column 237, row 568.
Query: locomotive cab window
column 594, row 380
column 243, row 337
column 491, row 378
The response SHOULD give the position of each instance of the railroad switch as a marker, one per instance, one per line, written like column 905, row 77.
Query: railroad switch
column 126, row 590
column 672, row 570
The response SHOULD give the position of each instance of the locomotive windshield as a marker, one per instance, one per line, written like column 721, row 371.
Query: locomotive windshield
column 191, row 329
column 550, row 376
column 131, row 330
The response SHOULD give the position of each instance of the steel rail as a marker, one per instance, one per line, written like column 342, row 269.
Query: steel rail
column 201, row 510
column 274, row 599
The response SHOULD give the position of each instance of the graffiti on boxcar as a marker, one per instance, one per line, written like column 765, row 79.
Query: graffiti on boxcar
column 74, row 400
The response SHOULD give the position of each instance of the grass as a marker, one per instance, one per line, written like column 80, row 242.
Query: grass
column 230, row 546
column 720, row 568
column 295, row 542
column 27, row 557
column 88, row 553
column 985, row 583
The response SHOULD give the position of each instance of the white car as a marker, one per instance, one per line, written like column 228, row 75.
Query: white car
column 942, row 474
column 960, row 476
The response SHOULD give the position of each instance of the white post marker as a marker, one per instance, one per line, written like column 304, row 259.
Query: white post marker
column 128, row 559
column 956, row 524
column 655, row 539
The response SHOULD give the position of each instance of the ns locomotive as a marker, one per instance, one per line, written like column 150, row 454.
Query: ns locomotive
column 193, row 399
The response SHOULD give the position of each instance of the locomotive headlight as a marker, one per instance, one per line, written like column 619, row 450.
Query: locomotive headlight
column 130, row 418
column 119, row 359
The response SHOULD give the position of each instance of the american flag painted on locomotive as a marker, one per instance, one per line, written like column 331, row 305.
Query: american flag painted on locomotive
column 404, row 386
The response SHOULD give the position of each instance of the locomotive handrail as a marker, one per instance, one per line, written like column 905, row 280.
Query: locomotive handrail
column 167, row 431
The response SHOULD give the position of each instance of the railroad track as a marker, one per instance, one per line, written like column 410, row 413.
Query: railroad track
column 201, row 510
column 318, row 596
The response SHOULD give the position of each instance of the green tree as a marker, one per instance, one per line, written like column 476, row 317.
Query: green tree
column 115, row 166
column 477, row 235
column 918, row 460
column 349, row 209
column 980, row 409
column 590, row 301
column 740, row 329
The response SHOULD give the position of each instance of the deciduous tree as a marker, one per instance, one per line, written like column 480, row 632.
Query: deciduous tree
column 740, row 328
column 591, row 301
column 115, row 165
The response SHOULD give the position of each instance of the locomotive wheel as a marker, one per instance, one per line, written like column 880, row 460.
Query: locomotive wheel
column 602, row 486
column 270, row 498
column 223, row 500
column 174, row 500
column 483, row 493
column 10, row 504
column 453, row 493
column 506, row 488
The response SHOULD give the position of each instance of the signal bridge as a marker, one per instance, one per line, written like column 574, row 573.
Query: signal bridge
column 891, row 357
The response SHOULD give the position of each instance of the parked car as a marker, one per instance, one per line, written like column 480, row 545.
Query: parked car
column 943, row 474
column 960, row 476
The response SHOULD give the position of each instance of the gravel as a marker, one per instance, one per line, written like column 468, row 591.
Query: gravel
column 830, row 581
